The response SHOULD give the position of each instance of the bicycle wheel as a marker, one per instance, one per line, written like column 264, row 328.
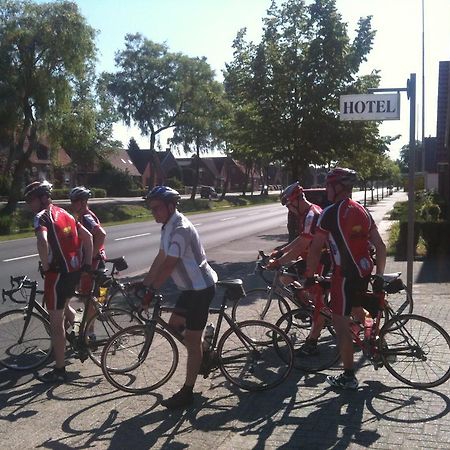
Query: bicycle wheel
column 119, row 297
column 104, row 324
column 327, row 349
column 415, row 350
column 24, row 348
column 255, row 355
column 260, row 304
column 139, row 359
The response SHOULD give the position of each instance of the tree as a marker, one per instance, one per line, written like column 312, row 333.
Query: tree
column 153, row 87
column 46, row 53
column 201, row 127
column 289, row 84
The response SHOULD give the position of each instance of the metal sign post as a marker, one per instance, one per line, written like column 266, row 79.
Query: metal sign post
column 411, row 93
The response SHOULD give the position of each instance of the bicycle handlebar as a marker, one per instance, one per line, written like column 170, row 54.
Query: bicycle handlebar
column 17, row 284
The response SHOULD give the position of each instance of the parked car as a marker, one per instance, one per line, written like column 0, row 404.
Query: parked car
column 208, row 192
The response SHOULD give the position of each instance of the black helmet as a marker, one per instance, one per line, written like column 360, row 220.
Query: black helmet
column 38, row 188
column 341, row 175
column 163, row 193
column 80, row 193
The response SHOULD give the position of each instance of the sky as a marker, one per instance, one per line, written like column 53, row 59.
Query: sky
column 207, row 28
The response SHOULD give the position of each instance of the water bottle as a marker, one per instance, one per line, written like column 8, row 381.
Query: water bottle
column 102, row 293
column 208, row 337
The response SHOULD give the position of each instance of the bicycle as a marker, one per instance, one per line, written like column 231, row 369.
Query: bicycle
column 413, row 348
column 274, row 301
column 252, row 354
column 114, row 292
column 269, row 303
column 25, row 333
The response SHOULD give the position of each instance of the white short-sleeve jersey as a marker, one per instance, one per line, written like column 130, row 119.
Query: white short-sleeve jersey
column 180, row 239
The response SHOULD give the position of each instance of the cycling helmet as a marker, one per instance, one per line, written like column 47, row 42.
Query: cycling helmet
column 80, row 193
column 38, row 188
column 340, row 175
column 291, row 193
column 163, row 193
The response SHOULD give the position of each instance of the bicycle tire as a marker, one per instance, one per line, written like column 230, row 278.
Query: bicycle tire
column 327, row 348
column 266, row 364
column 139, row 359
column 35, row 348
column 119, row 297
column 106, row 323
column 253, row 306
column 415, row 350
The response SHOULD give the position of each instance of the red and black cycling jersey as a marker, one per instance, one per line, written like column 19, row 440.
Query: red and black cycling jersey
column 348, row 225
column 63, row 240
column 90, row 221
column 307, row 221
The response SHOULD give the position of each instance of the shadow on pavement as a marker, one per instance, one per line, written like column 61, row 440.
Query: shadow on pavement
column 434, row 270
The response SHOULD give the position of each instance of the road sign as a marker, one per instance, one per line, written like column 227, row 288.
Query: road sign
column 370, row 107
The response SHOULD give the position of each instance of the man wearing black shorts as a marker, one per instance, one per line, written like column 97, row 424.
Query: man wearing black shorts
column 182, row 257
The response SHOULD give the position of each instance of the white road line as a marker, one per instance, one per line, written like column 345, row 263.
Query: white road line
column 132, row 237
column 227, row 218
column 20, row 257
column 197, row 224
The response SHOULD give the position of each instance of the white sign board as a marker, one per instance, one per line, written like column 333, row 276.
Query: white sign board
column 370, row 107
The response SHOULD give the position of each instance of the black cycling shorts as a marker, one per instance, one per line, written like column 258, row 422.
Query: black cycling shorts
column 194, row 307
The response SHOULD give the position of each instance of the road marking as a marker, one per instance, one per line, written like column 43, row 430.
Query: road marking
column 21, row 257
column 197, row 224
column 228, row 218
column 132, row 237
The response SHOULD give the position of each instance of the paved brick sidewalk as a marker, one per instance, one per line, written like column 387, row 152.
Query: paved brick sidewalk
column 303, row 413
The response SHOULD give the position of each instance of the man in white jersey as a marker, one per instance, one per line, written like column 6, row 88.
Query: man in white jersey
column 182, row 257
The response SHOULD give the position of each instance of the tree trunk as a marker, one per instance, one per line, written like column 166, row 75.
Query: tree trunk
column 15, row 193
column 197, row 172
column 227, row 180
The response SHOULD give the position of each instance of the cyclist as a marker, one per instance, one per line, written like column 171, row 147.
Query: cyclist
column 59, row 241
column 307, row 215
column 349, row 229
column 79, row 197
column 182, row 257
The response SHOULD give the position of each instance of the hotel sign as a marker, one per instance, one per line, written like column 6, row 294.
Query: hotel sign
column 370, row 107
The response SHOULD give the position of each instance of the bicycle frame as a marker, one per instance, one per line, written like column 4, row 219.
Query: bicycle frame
column 157, row 320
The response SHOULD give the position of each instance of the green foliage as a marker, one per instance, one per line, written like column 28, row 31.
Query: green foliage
column 437, row 237
column 285, row 90
column 115, row 181
column 5, row 184
column 5, row 224
column 47, row 53
column 175, row 183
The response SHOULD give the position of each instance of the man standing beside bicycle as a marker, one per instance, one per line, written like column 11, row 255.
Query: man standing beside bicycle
column 307, row 214
column 349, row 230
column 182, row 257
column 79, row 197
column 62, row 242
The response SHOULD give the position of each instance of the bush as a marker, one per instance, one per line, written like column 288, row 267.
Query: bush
column 98, row 192
column 60, row 194
column 402, row 242
column 175, row 183
column 5, row 224
column 437, row 237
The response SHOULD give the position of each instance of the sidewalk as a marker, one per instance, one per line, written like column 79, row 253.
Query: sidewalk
column 302, row 413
